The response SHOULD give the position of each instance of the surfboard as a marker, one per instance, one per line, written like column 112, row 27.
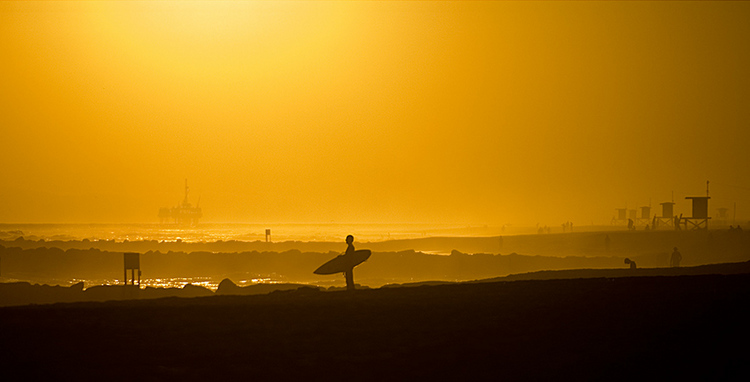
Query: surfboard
column 341, row 263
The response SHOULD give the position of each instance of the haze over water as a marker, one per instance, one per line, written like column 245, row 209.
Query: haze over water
column 466, row 113
column 211, row 232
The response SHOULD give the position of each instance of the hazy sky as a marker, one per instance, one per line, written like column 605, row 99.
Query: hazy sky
column 316, row 111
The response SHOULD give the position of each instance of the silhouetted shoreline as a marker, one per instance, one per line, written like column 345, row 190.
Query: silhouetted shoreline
column 590, row 243
column 67, row 262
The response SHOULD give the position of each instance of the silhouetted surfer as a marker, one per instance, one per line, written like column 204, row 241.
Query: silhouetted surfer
column 349, row 273
column 345, row 263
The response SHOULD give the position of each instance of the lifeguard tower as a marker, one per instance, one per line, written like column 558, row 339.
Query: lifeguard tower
column 699, row 218
column 132, row 264
column 667, row 215
column 621, row 218
column 645, row 218
column 722, row 218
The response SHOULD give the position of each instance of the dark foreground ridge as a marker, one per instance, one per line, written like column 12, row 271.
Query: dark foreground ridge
column 624, row 328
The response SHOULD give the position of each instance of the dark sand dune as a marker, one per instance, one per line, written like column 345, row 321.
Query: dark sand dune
column 709, row 269
column 628, row 328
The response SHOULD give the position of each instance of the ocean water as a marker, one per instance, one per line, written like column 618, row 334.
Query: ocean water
column 209, row 232
column 171, row 282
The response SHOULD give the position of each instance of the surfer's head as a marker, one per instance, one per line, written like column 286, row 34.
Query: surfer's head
column 349, row 239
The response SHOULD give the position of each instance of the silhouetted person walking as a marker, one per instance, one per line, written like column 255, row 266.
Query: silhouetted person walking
column 674, row 261
column 631, row 262
column 349, row 273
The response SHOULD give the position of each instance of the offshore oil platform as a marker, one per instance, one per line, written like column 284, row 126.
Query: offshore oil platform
column 184, row 213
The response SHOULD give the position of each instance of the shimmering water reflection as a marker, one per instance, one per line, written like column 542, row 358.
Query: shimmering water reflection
column 210, row 232
column 175, row 282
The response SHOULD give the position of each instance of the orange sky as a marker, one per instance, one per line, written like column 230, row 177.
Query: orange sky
column 313, row 111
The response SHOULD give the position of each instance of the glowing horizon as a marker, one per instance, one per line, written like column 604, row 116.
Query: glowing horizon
column 371, row 112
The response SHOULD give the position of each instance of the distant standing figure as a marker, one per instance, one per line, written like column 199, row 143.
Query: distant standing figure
column 631, row 224
column 606, row 243
column 349, row 274
column 674, row 261
column 631, row 262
